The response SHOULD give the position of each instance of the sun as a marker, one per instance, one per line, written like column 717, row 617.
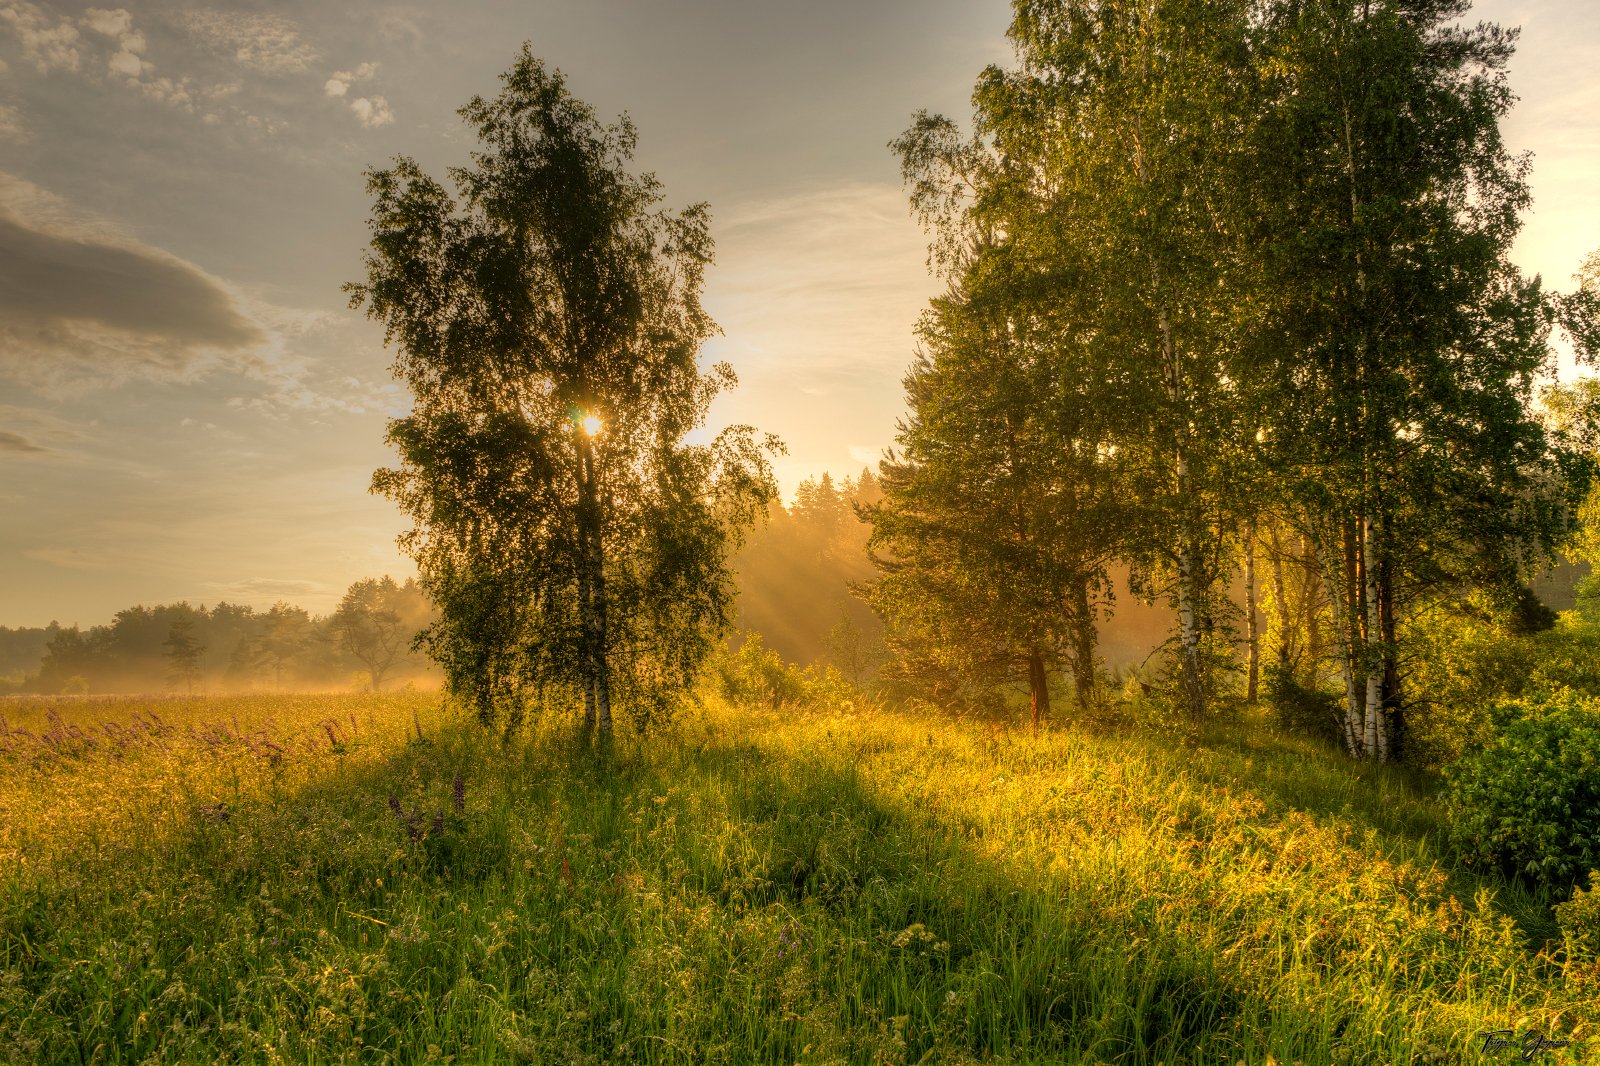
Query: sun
column 591, row 425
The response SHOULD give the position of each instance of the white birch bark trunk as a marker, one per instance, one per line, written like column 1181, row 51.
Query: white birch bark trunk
column 1252, row 628
column 1377, row 740
column 1335, row 581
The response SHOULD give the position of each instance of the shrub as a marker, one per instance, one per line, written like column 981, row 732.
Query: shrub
column 756, row 674
column 1301, row 710
column 1579, row 921
column 1529, row 801
column 1459, row 667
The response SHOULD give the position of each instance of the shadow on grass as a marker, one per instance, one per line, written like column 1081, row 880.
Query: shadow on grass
column 1404, row 806
column 711, row 901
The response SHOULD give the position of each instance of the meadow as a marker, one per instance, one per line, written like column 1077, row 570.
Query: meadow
column 322, row 879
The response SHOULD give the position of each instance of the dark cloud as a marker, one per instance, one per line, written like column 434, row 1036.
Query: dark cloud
column 14, row 442
column 50, row 281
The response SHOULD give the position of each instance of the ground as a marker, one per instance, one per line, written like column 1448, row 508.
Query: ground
column 314, row 879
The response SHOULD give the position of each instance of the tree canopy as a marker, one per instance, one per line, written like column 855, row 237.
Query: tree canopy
column 547, row 319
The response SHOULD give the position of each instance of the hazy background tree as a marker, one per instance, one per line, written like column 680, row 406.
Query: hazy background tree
column 547, row 320
column 371, row 624
column 183, row 653
column 797, row 571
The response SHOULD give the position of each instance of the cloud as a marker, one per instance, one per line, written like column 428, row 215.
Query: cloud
column 110, row 34
column 269, row 44
column 128, row 64
column 832, row 280
column 370, row 111
column 373, row 112
column 341, row 81
column 49, row 42
column 17, row 443
column 257, row 589
column 84, row 304
column 108, row 23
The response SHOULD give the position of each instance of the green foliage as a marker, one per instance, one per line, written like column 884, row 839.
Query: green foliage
column 1528, row 802
column 547, row 319
column 750, row 887
column 759, row 676
column 1301, row 710
column 1579, row 921
column 1460, row 665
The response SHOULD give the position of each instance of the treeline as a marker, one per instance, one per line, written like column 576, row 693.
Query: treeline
column 179, row 647
column 1229, row 305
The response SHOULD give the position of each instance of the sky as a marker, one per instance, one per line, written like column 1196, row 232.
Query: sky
column 190, row 411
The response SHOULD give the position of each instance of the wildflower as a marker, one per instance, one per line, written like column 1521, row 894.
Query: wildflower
column 458, row 794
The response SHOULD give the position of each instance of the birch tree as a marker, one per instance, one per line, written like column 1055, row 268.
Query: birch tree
column 547, row 320
column 1125, row 121
column 1406, row 345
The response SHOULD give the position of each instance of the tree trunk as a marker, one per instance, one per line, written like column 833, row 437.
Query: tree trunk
column 1337, row 579
column 1377, row 737
column 1280, row 600
column 1252, row 629
column 594, row 613
column 1188, row 563
column 1310, row 566
column 1394, row 723
column 1084, row 635
column 1039, row 687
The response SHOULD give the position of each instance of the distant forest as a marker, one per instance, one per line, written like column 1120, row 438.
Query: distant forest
column 177, row 647
column 794, row 575
column 798, row 577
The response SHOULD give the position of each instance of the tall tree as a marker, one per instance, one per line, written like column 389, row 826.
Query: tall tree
column 1403, row 344
column 548, row 320
column 1120, row 130
column 994, row 531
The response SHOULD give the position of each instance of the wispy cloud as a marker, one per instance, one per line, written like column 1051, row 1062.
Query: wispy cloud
column 49, row 42
column 117, row 24
column 267, row 44
column 106, row 47
column 79, row 301
column 257, row 589
column 370, row 111
column 830, row 281
column 16, row 443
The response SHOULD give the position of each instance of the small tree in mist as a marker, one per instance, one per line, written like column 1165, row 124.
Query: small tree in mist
column 548, row 321
column 368, row 627
column 183, row 654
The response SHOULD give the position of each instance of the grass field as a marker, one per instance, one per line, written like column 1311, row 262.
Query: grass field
column 309, row 879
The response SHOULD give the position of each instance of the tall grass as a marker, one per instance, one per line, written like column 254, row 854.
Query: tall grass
column 752, row 885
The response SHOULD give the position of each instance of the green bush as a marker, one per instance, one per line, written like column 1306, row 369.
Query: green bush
column 1579, row 921
column 1301, row 710
column 1529, row 801
column 1459, row 667
column 756, row 674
